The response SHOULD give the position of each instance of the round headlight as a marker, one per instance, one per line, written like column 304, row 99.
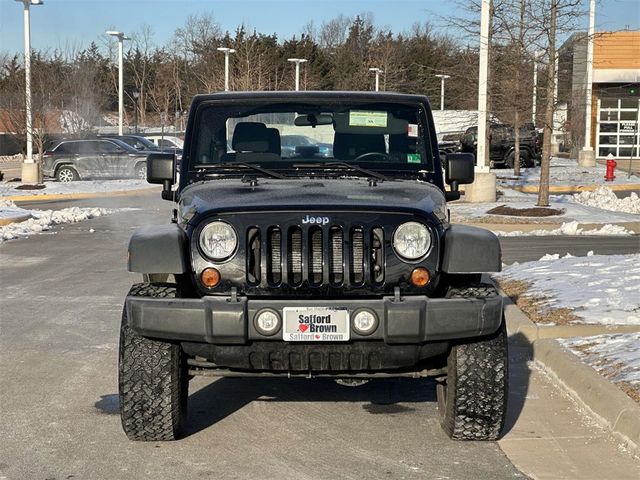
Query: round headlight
column 218, row 240
column 412, row 240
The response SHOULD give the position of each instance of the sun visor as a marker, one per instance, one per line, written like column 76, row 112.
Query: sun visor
column 369, row 122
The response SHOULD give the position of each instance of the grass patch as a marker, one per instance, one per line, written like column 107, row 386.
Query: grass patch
column 536, row 308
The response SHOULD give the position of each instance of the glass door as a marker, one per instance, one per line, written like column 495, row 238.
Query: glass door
column 618, row 127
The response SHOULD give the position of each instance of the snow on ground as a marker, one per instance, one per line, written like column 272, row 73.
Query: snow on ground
column 43, row 220
column 600, row 289
column 8, row 189
column 9, row 211
column 597, row 208
column 606, row 199
column 616, row 356
column 565, row 171
column 570, row 228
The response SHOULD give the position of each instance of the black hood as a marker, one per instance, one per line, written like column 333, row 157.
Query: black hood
column 352, row 194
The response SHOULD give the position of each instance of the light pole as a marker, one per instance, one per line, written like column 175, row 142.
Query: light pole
column 587, row 157
column 377, row 71
column 135, row 94
column 483, row 188
column 442, row 79
column 121, row 37
column 226, row 52
column 297, row 61
column 29, row 172
column 534, row 106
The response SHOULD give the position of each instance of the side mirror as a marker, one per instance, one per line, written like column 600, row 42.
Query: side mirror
column 459, row 170
column 161, row 169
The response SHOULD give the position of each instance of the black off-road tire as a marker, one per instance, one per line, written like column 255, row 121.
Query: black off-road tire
column 153, row 381
column 472, row 401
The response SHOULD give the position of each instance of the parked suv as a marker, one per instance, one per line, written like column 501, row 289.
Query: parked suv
column 136, row 141
column 70, row 160
column 502, row 145
column 345, row 267
column 167, row 143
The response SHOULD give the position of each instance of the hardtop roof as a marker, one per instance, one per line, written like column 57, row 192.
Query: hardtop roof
column 293, row 96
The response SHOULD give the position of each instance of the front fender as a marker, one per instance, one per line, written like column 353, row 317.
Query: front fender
column 471, row 250
column 158, row 249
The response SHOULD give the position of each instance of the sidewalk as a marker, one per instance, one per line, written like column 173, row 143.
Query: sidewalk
column 611, row 407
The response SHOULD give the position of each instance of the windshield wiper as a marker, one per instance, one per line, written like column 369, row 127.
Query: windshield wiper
column 344, row 165
column 249, row 166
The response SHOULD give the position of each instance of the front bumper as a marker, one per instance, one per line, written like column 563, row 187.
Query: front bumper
column 224, row 320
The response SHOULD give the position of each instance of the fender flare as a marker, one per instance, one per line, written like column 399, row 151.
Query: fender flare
column 158, row 249
column 470, row 250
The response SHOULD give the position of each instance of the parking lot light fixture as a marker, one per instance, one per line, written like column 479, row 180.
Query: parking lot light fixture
column 227, row 52
column 28, row 170
column 377, row 71
column 121, row 37
column 442, row 78
column 297, row 61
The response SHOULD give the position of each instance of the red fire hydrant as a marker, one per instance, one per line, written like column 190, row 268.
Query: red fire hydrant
column 610, row 176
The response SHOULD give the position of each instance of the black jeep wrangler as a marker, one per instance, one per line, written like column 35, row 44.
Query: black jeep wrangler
column 343, row 266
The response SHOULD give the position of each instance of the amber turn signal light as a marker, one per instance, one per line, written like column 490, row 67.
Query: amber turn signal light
column 420, row 276
column 210, row 277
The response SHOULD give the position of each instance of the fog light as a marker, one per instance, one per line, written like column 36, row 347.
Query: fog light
column 267, row 322
column 365, row 322
column 210, row 277
column 420, row 276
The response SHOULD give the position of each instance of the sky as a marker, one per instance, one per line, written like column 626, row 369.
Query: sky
column 73, row 24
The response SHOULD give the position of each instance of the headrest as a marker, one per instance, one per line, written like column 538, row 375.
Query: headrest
column 273, row 135
column 250, row 137
column 350, row 145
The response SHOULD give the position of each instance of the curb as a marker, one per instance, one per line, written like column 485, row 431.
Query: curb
column 8, row 221
column 572, row 188
column 76, row 196
column 611, row 407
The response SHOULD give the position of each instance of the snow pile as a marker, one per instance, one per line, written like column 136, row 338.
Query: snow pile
column 83, row 186
column 599, row 288
column 606, row 199
column 43, row 220
column 9, row 210
column 11, row 158
column 570, row 228
column 616, row 356
column 563, row 171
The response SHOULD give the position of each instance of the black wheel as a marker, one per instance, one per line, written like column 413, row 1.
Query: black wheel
column 141, row 171
column 153, row 381
column 524, row 160
column 67, row 174
column 472, row 401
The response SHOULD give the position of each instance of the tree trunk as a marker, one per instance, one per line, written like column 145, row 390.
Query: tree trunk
column 516, row 128
column 543, row 193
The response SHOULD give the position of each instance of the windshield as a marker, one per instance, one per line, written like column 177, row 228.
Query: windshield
column 379, row 137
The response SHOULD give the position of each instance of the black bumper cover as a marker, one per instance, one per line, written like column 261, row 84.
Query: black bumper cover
column 229, row 321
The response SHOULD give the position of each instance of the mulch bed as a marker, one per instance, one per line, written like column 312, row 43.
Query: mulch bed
column 525, row 212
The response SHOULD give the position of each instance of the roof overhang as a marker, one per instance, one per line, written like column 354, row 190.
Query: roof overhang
column 616, row 75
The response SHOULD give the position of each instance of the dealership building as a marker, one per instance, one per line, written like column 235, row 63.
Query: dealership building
column 615, row 106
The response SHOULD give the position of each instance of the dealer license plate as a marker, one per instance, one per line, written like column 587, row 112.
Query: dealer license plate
column 315, row 324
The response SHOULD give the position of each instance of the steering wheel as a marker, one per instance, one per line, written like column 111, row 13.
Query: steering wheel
column 370, row 155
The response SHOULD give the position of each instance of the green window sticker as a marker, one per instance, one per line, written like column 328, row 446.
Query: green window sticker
column 414, row 158
column 359, row 118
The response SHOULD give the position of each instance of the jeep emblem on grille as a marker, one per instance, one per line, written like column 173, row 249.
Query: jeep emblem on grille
column 316, row 220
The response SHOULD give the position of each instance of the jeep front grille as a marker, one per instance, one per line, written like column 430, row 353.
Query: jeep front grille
column 315, row 255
